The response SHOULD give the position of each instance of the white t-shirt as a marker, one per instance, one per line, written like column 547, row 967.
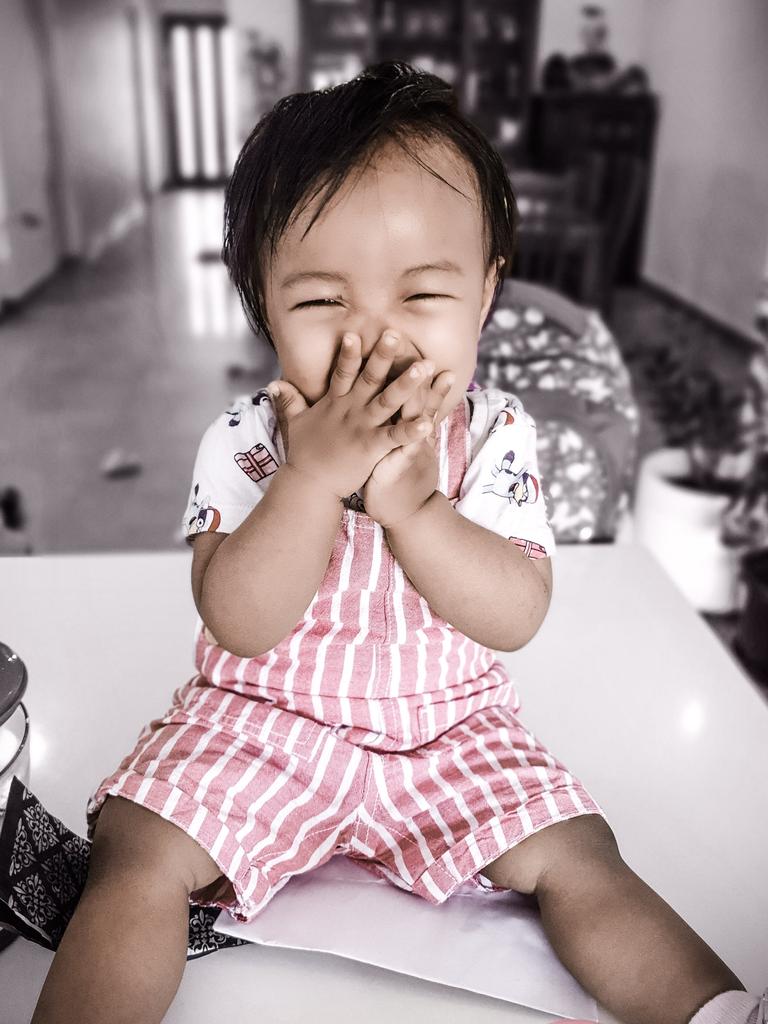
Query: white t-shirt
column 501, row 489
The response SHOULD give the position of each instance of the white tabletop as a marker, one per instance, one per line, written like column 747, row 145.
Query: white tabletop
column 624, row 683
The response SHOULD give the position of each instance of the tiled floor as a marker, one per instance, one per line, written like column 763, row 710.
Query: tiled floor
column 130, row 352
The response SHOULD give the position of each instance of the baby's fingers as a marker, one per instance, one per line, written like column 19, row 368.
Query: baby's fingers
column 441, row 385
column 427, row 399
column 405, row 432
column 436, row 395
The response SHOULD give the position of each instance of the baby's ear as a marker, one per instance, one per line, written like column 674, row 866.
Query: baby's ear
column 498, row 272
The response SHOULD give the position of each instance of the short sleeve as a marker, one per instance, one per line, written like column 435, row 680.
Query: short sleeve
column 235, row 460
column 501, row 489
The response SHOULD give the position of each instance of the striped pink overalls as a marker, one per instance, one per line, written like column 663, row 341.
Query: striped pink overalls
column 374, row 729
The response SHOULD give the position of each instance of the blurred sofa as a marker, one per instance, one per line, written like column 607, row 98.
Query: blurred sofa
column 564, row 364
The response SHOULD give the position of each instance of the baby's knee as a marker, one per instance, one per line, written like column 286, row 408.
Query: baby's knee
column 132, row 841
column 583, row 848
column 583, row 843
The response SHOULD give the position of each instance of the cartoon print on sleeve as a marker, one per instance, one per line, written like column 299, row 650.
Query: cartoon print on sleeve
column 207, row 518
column 260, row 398
column 256, row 463
column 505, row 467
column 516, row 485
column 529, row 547
column 236, row 414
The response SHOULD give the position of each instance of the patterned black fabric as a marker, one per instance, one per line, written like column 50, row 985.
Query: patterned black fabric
column 43, row 869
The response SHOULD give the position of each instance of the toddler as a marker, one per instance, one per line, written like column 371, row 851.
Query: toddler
column 366, row 532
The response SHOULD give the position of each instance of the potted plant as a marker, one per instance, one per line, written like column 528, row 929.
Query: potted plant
column 684, row 489
column 745, row 522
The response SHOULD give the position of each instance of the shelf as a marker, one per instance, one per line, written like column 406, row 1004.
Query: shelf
column 499, row 69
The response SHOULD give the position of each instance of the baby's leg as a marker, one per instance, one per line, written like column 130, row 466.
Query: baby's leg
column 624, row 944
column 123, row 953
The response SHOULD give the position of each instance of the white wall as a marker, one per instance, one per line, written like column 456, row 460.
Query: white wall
column 709, row 212
column 96, row 121
column 29, row 232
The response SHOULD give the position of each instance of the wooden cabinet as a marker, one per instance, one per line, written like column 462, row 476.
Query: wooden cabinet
column 607, row 141
column 485, row 48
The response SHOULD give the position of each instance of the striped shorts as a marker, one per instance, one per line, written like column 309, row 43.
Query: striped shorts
column 270, row 793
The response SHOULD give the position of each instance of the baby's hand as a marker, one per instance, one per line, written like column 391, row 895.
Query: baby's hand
column 338, row 440
column 402, row 482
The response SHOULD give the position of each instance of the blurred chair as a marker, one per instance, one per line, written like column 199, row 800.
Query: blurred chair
column 610, row 188
column 542, row 202
column 608, row 138
column 557, row 243
column 538, row 194
column 541, row 254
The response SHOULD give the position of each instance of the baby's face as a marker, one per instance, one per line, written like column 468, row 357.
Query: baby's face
column 378, row 226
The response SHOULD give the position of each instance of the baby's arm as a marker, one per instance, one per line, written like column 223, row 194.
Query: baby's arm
column 260, row 579
column 474, row 578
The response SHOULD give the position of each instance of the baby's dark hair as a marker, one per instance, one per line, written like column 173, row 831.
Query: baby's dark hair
column 312, row 140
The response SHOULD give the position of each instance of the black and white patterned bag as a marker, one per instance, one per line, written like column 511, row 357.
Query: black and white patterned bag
column 43, row 869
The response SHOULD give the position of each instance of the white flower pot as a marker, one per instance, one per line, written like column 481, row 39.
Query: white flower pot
column 681, row 528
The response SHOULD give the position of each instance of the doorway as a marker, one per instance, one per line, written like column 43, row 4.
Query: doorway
column 198, row 83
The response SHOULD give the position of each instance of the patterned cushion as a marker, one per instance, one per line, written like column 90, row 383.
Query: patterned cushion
column 577, row 387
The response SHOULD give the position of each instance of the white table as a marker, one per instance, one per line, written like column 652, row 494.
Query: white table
column 624, row 683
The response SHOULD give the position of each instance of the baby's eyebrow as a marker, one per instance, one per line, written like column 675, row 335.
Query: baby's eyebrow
column 447, row 266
